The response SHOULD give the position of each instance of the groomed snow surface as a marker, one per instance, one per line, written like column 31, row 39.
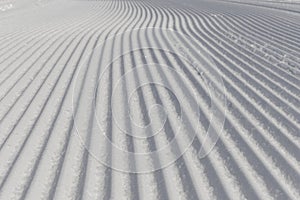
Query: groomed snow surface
column 149, row 99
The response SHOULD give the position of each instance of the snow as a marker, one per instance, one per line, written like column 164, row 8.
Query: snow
column 149, row 99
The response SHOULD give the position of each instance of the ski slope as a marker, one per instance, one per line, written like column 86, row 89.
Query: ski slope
column 149, row 99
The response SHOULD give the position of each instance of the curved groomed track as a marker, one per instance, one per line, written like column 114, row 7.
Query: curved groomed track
column 56, row 88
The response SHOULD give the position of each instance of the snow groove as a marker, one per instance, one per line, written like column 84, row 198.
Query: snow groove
column 60, row 138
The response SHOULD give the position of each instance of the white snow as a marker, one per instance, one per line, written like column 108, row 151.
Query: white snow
column 157, row 99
